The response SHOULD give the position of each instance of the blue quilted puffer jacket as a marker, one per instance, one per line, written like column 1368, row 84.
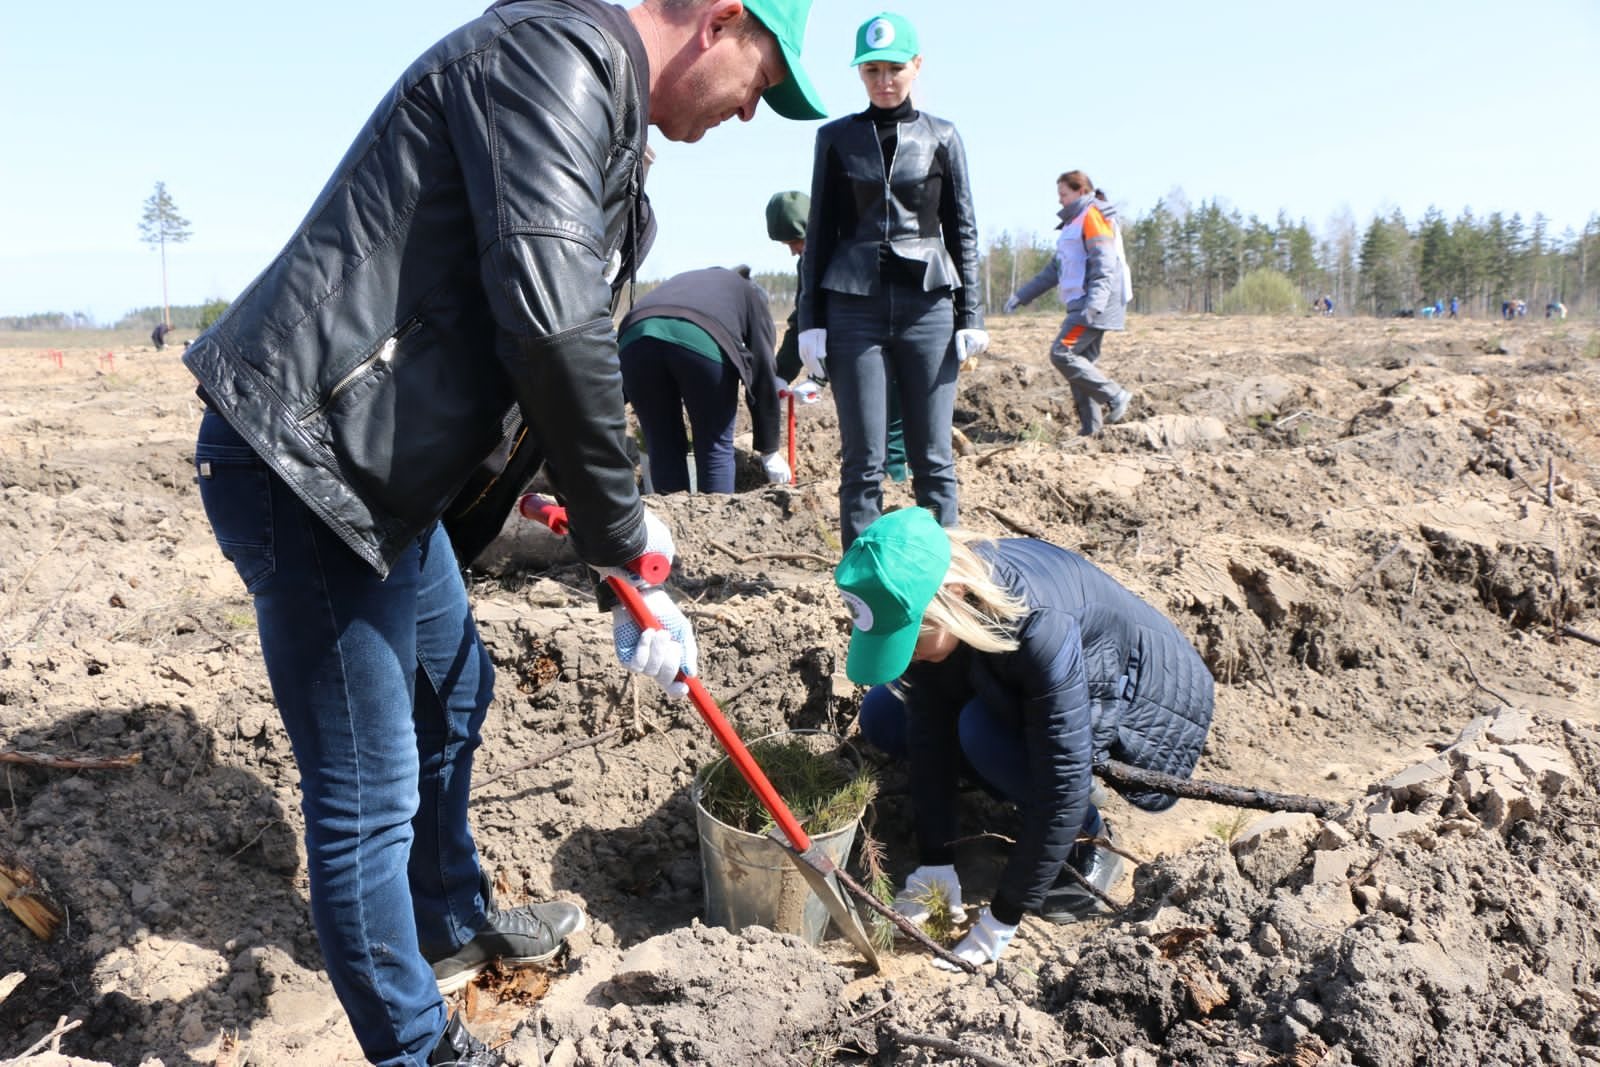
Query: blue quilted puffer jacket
column 1099, row 675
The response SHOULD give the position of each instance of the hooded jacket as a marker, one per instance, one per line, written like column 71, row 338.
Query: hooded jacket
column 734, row 311
column 919, row 206
column 1089, row 268
column 1099, row 674
column 452, row 280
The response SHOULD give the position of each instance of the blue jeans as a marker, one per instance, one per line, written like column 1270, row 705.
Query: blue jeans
column 382, row 684
column 993, row 749
column 904, row 338
column 663, row 381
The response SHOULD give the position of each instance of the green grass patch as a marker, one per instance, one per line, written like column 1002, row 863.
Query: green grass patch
column 825, row 790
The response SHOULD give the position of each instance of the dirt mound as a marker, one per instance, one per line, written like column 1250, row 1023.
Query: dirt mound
column 1380, row 536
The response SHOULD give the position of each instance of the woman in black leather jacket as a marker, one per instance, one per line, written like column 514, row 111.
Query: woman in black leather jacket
column 890, row 300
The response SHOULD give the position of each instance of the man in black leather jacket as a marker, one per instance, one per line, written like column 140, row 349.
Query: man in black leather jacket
column 452, row 285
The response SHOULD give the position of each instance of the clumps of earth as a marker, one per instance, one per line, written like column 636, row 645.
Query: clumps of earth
column 1382, row 537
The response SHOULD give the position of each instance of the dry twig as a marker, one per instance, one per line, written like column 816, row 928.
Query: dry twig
column 783, row 557
column 69, row 763
column 906, row 927
column 53, row 1038
column 1266, row 675
column 1121, row 773
column 571, row 746
column 1501, row 697
column 1568, row 631
column 942, row 1044
column 1015, row 524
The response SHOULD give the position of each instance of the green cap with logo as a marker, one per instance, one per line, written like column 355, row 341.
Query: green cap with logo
column 888, row 578
column 886, row 38
column 794, row 97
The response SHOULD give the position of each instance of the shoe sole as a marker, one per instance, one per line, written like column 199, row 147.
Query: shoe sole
column 462, row 978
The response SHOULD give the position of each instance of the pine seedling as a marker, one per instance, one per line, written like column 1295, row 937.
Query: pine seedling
column 881, row 886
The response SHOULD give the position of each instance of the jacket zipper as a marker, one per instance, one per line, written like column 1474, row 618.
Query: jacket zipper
column 888, row 184
column 384, row 354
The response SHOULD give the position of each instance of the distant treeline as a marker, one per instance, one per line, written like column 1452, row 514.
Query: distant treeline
column 187, row 317
column 1188, row 259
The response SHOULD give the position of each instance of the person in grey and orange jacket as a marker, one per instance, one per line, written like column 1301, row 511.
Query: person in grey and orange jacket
column 1090, row 272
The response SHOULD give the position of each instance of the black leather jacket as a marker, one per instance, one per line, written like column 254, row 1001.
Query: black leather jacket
column 921, row 208
column 454, row 269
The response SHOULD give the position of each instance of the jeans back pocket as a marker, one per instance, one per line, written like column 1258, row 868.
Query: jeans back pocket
column 236, row 491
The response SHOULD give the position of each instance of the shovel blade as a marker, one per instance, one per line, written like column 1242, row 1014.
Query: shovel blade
column 817, row 869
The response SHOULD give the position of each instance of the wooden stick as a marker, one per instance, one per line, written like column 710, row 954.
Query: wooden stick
column 572, row 746
column 1265, row 674
column 62, row 1028
column 69, row 763
column 906, row 926
column 1568, row 631
column 942, row 1044
column 1026, row 529
column 1501, row 697
column 23, row 893
column 983, row 460
column 1121, row 773
column 784, row 557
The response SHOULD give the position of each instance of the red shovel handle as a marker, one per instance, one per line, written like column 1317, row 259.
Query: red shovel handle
column 543, row 510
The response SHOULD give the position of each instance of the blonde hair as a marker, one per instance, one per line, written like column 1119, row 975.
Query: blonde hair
column 971, row 604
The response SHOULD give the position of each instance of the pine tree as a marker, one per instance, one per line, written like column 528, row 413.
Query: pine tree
column 160, row 224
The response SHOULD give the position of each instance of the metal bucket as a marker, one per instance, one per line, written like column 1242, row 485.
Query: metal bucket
column 749, row 879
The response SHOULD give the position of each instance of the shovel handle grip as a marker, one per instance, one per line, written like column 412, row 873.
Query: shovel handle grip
column 548, row 513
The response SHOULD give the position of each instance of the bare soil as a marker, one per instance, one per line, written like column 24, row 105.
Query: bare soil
column 1376, row 534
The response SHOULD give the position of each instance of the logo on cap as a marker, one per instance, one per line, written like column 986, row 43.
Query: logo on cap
column 860, row 613
column 880, row 34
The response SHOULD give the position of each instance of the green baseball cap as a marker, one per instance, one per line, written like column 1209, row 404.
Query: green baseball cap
column 886, row 38
column 787, row 214
column 794, row 97
column 888, row 578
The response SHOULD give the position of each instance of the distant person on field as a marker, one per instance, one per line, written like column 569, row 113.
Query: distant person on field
column 159, row 335
column 438, row 328
column 1089, row 272
column 1455, row 306
column 687, row 347
column 1015, row 665
column 892, row 302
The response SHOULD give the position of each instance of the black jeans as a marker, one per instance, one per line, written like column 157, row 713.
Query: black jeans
column 906, row 337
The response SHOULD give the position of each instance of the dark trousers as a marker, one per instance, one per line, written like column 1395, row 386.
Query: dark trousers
column 663, row 381
column 902, row 339
column 992, row 749
column 382, row 684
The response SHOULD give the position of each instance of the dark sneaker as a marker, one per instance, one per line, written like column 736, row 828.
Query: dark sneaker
column 1119, row 407
column 516, row 937
column 1068, row 901
column 458, row 1048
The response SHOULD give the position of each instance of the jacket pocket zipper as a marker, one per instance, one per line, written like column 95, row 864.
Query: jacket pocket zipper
column 384, row 354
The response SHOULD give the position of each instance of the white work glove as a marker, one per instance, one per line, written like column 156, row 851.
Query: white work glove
column 1012, row 304
column 984, row 943
column 657, row 654
column 805, row 390
column 778, row 472
column 814, row 352
column 970, row 343
column 924, row 882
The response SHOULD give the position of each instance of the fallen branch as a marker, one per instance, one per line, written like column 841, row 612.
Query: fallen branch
column 69, row 763
column 571, row 746
column 1017, row 525
column 782, row 557
column 941, row 1044
column 1501, row 697
column 983, row 460
column 1119, row 773
column 1568, row 631
column 905, row 925
column 53, row 1038
column 1266, row 675
column 727, row 701
column 22, row 892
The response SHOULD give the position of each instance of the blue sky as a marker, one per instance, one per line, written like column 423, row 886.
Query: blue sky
column 243, row 110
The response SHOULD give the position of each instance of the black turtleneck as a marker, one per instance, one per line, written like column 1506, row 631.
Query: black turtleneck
column 887, row 120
